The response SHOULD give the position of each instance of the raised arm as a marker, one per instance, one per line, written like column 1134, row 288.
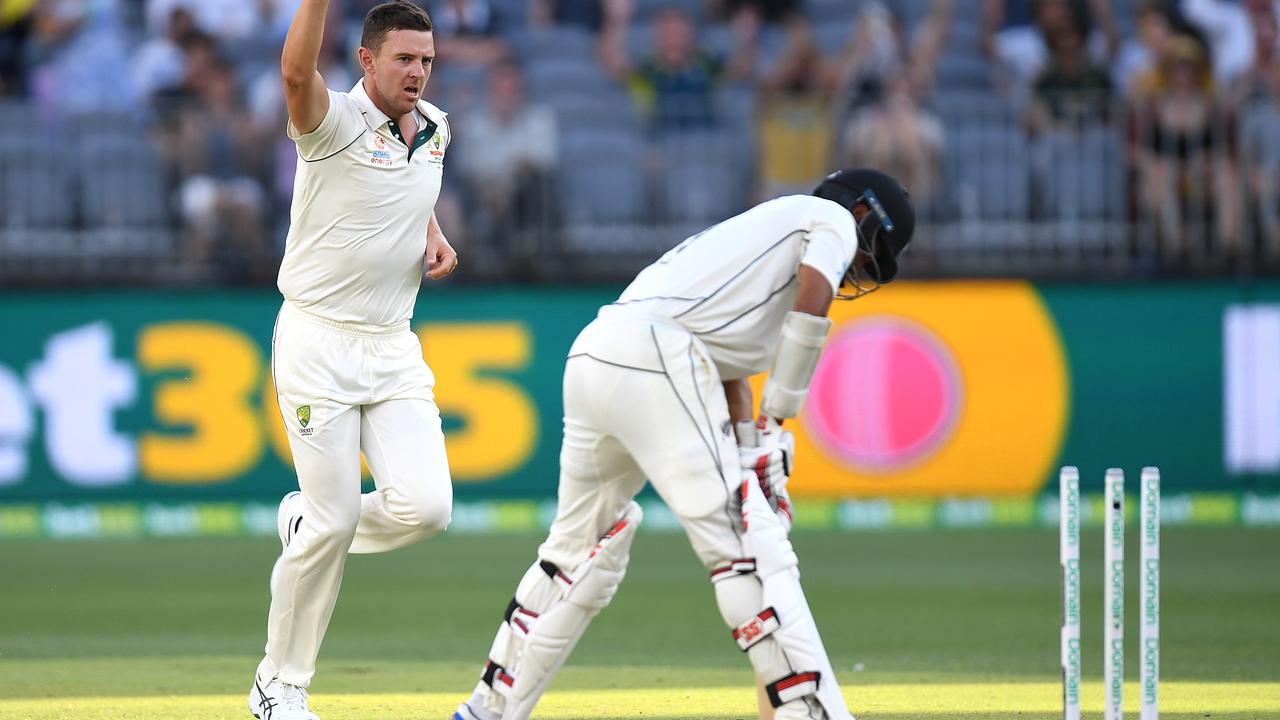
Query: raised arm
column 304, row 89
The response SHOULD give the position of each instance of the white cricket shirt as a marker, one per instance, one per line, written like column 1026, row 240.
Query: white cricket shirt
column 733, row 284
column 361, row 204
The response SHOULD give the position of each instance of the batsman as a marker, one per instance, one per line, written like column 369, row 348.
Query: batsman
column 655, row 388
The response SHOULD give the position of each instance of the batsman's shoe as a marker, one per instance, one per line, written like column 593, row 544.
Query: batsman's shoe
column 274, row 700
column 465, row 712
column 289, row 516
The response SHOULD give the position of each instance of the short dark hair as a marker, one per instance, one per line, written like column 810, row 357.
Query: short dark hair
column 397, row 15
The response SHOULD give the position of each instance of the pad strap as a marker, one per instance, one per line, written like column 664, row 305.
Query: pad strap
column 740, row 566
column 519, row 617
column 793, row 687
column 497, row 678
column 757, row 628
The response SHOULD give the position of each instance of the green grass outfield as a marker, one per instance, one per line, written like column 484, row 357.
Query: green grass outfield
column 945, row 624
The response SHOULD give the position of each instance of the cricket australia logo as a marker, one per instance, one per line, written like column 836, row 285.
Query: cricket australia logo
column 304, row 418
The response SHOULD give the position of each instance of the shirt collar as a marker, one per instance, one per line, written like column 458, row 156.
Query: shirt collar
column 377, row 119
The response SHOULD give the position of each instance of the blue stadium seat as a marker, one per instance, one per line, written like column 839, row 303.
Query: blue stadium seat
column 562, row 77
column 602, row 177
column 957, row 70
column 989, row 171
column 1081, row 176
column 122, row 186
column 553, row 43
column 646, row 9
column 701, row 191
column 967, row 107
column 35, row 187
column 586, row 112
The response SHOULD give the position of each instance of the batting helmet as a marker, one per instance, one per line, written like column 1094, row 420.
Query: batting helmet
column 885, row 231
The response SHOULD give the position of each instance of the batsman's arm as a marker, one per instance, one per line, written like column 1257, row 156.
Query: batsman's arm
column 304, row 89
column 813, row 292
column 738, row 394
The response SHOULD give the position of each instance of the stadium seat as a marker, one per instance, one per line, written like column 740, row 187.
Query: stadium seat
column 35, row 189
column 990, row 172
column 645, row 10
column 587, row 112
column 960, row 70
column 1080, row 175
column 701, row 191
column 602, row 173
column 973, row 106
column 564, row 77
column 122, row 185
column 554, row 43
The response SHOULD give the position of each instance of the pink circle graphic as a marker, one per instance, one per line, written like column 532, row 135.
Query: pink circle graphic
column 886, row 395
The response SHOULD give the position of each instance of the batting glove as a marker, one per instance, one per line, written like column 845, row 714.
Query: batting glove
column 766, row 456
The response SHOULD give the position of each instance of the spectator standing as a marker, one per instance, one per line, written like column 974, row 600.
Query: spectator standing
column 884, row 76
column 469, row 32
column 674, row 86
column 895, row 133
column 1015, row 33
column 880, row 49
column 508, row 156
column 159, row 65
column 1228, row 28
column 1187, row 184
column 223, row 19
column 1254, row 83
column 1071, row 92
column 795, row 114
column 213, row 149
column 15, row 25
column 79, row 57
column 1138, row 55
column 769, row 11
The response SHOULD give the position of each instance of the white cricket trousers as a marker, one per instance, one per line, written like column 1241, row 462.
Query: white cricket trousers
column 343, row 389
column 642, row 399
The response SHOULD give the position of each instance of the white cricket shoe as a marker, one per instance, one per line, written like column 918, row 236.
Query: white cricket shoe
column 289, row 516
column 467, row 712
column 274, row 700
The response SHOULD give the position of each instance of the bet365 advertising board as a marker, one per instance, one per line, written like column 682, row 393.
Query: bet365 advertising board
column 925, row 390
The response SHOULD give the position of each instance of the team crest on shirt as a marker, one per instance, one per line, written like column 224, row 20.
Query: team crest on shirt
column 379, row 142
column 436, row 149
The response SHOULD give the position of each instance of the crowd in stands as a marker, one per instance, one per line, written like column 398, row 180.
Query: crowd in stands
column 1152, row 125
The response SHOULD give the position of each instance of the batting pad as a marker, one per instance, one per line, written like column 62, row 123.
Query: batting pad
column 546, row 618
column 786, row 618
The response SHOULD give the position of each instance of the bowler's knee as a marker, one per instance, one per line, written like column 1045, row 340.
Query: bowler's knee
column 428, row 511
column 435, row 518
